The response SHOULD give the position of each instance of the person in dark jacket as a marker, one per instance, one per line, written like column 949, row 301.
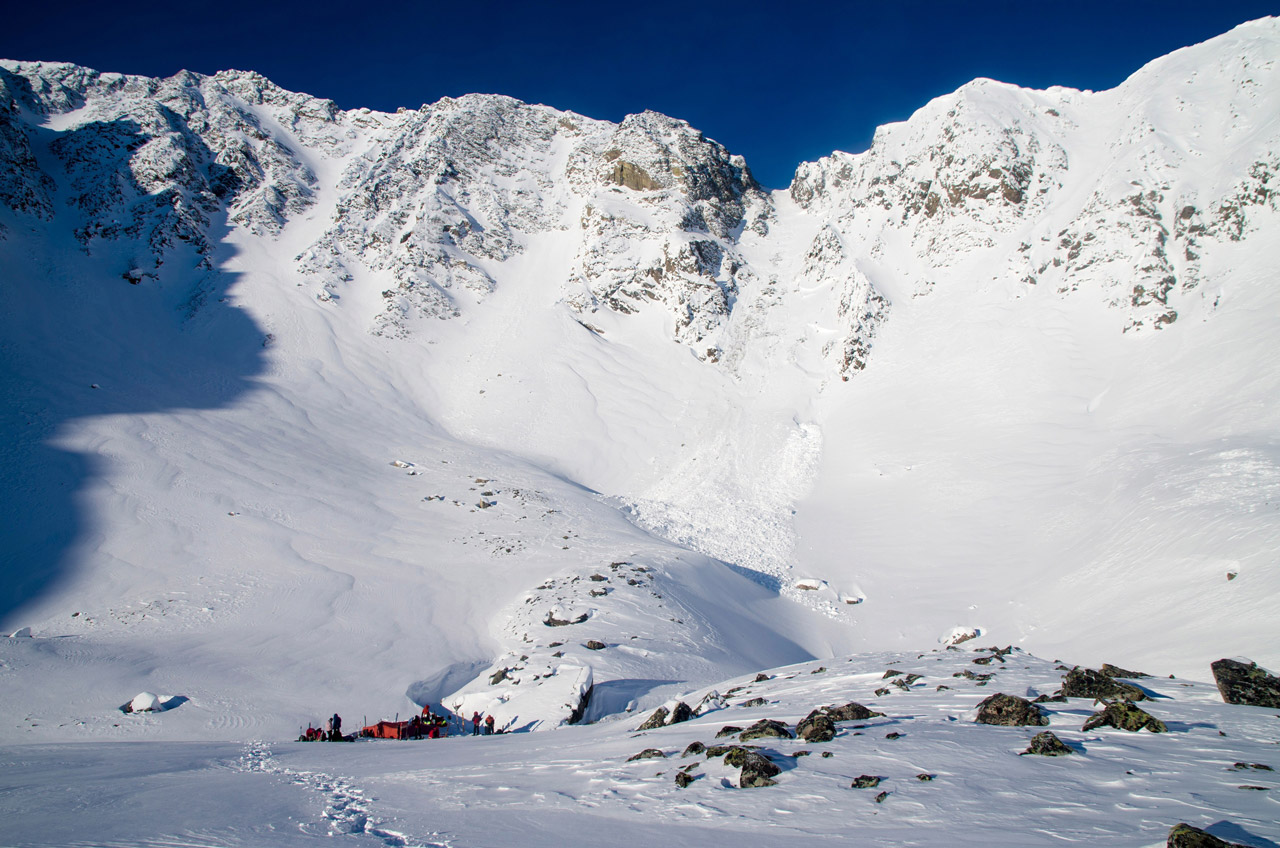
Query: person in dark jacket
column 475, row 723
column 335, row 734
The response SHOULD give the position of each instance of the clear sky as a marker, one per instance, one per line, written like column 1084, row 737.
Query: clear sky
column 778, row 82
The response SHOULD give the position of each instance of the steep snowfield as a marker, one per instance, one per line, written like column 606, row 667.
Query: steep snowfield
column 491, row 405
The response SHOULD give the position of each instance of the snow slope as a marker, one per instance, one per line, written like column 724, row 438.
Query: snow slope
column 492, row 405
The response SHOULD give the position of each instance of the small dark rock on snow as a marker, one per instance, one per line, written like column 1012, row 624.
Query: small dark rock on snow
column 1242, row 683
column 766, row 727
column 1123, row 715
column 1046, row 744
column 817, row 726
column 728, row 730
column 657, row 719
column 694, row 749
column 1010, row 711
column 1116, row 671
column 755, row 702
column 647, row 754
column 866, row 781
column 683, row 779
column 595, row 645
column 1087, row 683
column 761, row 677
column 1186, row 836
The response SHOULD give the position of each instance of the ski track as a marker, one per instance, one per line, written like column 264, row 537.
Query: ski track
column 346, row 807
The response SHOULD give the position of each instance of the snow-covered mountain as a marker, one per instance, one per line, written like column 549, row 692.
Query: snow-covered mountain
column 498, row 405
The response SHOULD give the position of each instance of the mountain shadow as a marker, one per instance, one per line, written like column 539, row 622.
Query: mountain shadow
column 84, row 332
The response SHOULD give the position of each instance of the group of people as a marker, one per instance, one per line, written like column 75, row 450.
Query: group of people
column 476, row 722
column 429, row 725
column 331, row 732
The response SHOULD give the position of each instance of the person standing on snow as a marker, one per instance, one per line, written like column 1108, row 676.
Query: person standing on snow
column 488, row 725
column 475, row 723
column 335, row 728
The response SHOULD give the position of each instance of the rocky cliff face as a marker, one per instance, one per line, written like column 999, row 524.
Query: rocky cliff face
column 1117, row 196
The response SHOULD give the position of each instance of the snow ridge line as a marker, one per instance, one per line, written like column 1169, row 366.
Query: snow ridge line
column 346, row 811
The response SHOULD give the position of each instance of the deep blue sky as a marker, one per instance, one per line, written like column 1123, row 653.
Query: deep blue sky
column 777, row 82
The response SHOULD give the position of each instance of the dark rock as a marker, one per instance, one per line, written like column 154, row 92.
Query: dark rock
column 1254, row 788
column 819, row 670
column 1246, row 684
column 817, row 726
column 894, row 735
column 657, row 719
column 1123, row 715
column 1116, row 671
column 757, row 769
column 722, row 750
column 597, row 578
column 880, row 693
column 728, row 730
column 983, row 660
column 680, row 712
column 683, row 779
column 755, row 702
column 941, row 687
column 647, row 754
column 925, row 777
column 851, row 711
column 969, row 675
column 826, row 755
column 1186, row 836
column 1087, row 683
column 798, row 754
column 893, row 672
column 1046, row 744
column 1011, row 711
column 695, row 748
column 866, row 781
column 761, row 677
column 880, row 798
column 552, row 621
column 498, row 676
column 766, row 727
column 902, row 684
column 595, row 645
column 1258, row 766
column 1057, row 698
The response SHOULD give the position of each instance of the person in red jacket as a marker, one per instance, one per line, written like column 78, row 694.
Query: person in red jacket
column 475, row 723
column 488, row 725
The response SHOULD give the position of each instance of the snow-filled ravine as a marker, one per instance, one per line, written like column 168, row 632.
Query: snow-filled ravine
column 497, row 408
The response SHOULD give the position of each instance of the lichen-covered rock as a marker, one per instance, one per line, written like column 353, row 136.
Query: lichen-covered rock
column 866, row 781
column 1087, row 683
column 1186, row 836
column 656, row 719
column 1116, row 671
column 728, row 730
column 757, row 770
column 1046, row 744
column 694, row 749
column 755, row 702
column 851, row 711
column 1123, row 715
column 817, row 726
column 1011, row 711
column 683, row 779
column 1242, row 683
column 680, row 712
column 647, row 754
column 595, row 645
column 766, row 728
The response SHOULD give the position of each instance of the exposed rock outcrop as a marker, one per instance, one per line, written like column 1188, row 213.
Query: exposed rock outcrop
column 1010, row 710
column 1246, row 683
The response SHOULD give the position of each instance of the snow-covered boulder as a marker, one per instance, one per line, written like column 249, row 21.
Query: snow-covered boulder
column 21, row 633
column 145, row 702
